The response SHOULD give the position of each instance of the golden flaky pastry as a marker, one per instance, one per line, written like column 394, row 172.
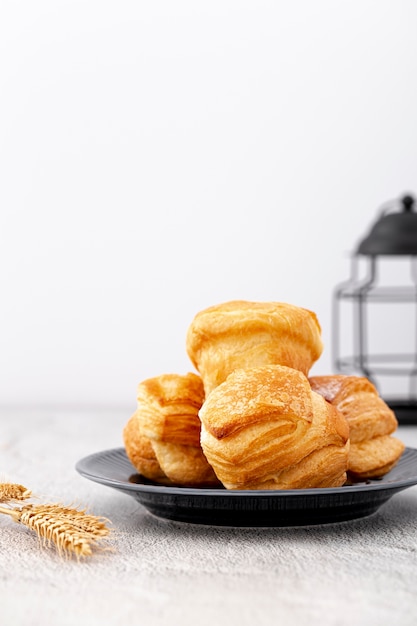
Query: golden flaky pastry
column 373, row 449
column 241, row 334
column 140, row 452
column 167, row 413
column 264, row 428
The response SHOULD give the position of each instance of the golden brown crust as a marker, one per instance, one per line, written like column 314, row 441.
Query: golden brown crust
column 252, row 400
column 186, row 465
column 274, row 432
column 242, row 334
column 357, row 398
column 374, row 458
column 373, row 451
column 169, row 406
column 140, row 452
column 168, row 416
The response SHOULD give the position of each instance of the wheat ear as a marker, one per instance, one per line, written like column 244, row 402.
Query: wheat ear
column 12, row 491
column 71, row 530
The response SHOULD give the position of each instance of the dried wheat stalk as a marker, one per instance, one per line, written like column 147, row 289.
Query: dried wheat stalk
column 71, row 530
column 12, row 491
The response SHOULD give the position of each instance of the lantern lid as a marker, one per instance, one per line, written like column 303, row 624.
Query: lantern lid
column 393, row 233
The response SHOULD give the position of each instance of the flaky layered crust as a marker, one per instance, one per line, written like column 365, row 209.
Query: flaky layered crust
column 241, row 335
column 264, row 428
column 167, row 411
column 169, row 406
column 140, row 452
column 357, row 398
column 185, row 465
column 373, row 451
column 375, row 457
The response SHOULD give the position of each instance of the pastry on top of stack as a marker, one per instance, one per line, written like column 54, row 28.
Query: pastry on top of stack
column 264, row 428
column 242, row 334
column 373, row 449
column 167, row 419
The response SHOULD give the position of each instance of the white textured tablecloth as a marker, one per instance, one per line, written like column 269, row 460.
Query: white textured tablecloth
column 160, row 572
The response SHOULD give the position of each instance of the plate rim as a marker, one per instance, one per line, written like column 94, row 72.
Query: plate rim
column 154, row 488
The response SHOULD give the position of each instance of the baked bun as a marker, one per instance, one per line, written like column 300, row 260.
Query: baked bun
column 264, row 428
column 242, row 335
column 375, row 457
column 140, row 452
column 373, row 451
column 167, row 410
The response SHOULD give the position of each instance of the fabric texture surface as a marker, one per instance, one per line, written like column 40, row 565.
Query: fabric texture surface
column 161, row 572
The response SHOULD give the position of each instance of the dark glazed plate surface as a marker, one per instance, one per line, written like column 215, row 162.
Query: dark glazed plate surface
column 221, row 507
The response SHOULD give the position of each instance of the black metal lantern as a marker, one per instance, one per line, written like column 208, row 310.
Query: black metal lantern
column 379, row 338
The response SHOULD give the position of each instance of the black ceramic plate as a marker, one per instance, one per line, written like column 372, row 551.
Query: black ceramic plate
column 221, row 507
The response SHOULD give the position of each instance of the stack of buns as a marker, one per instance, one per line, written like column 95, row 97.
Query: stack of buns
column 251, row 418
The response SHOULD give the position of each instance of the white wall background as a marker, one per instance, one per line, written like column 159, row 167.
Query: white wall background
column 160, row 157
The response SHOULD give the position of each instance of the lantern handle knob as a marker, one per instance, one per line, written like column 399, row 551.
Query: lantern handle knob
column 408, row 203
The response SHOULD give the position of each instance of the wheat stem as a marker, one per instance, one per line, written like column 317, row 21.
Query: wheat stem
column 14, row 513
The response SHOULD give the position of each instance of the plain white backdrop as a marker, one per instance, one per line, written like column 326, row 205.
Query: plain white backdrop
column 160, row 157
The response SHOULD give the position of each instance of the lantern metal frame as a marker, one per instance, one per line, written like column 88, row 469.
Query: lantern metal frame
column 361, row 292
